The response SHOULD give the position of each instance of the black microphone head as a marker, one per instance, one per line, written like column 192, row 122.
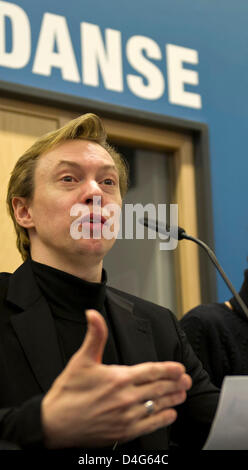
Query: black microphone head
column 163, row 228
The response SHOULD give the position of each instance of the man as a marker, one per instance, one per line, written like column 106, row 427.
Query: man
column 118, row 383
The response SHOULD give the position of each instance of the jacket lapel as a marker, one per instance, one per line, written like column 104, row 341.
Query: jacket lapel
column 133, row 334
column 34, row 326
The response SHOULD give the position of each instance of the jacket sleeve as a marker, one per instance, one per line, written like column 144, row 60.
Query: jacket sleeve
column 197, row 336
column 196, row 414
column 207, row 333
column 22, row 425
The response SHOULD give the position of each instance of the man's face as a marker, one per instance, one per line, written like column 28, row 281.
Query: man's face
column 72, row 173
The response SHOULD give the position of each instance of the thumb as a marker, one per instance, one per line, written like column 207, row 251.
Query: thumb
column 96, row 337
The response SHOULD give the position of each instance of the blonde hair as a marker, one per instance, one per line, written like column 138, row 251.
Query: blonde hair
column 21, row 184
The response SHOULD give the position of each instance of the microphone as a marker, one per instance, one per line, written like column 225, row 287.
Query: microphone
column 163, row 229
column 180, row 234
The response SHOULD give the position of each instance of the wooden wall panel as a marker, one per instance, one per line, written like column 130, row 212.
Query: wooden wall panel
column 18, row 130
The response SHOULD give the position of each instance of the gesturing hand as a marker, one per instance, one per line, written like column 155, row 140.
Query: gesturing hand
column 93, row 405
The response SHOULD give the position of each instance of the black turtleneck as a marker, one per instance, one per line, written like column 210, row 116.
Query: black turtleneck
column 68, row 297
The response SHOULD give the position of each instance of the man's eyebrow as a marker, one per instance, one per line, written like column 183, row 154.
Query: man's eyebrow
column 78, row 166
column 68, row 163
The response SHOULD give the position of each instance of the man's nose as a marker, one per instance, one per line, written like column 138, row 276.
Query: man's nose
column 91, row 189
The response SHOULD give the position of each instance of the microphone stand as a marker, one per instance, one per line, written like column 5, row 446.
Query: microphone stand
column 218, row 266
column 157, row 226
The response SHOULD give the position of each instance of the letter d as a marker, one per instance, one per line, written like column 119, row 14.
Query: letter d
column 126, row 459
column 21, row 36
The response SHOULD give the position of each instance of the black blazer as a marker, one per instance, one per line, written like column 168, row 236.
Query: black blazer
column 30, row 360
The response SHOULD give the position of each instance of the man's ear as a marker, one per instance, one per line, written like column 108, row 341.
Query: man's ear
column 22, row 212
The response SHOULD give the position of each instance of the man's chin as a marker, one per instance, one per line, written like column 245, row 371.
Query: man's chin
column 94, row 247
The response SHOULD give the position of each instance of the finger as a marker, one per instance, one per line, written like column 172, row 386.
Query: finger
column 139, row 411
column 170, row 401
column 95, row 339
column 152, row 371
column 152, row 423
column 162, row 387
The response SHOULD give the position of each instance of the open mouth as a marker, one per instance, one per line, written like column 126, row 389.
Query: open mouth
column 93, row 219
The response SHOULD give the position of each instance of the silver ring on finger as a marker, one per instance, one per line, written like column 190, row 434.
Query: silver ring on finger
column 149, row 406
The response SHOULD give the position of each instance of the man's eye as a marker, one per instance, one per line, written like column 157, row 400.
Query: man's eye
column 109, row 181
column 68, row 178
